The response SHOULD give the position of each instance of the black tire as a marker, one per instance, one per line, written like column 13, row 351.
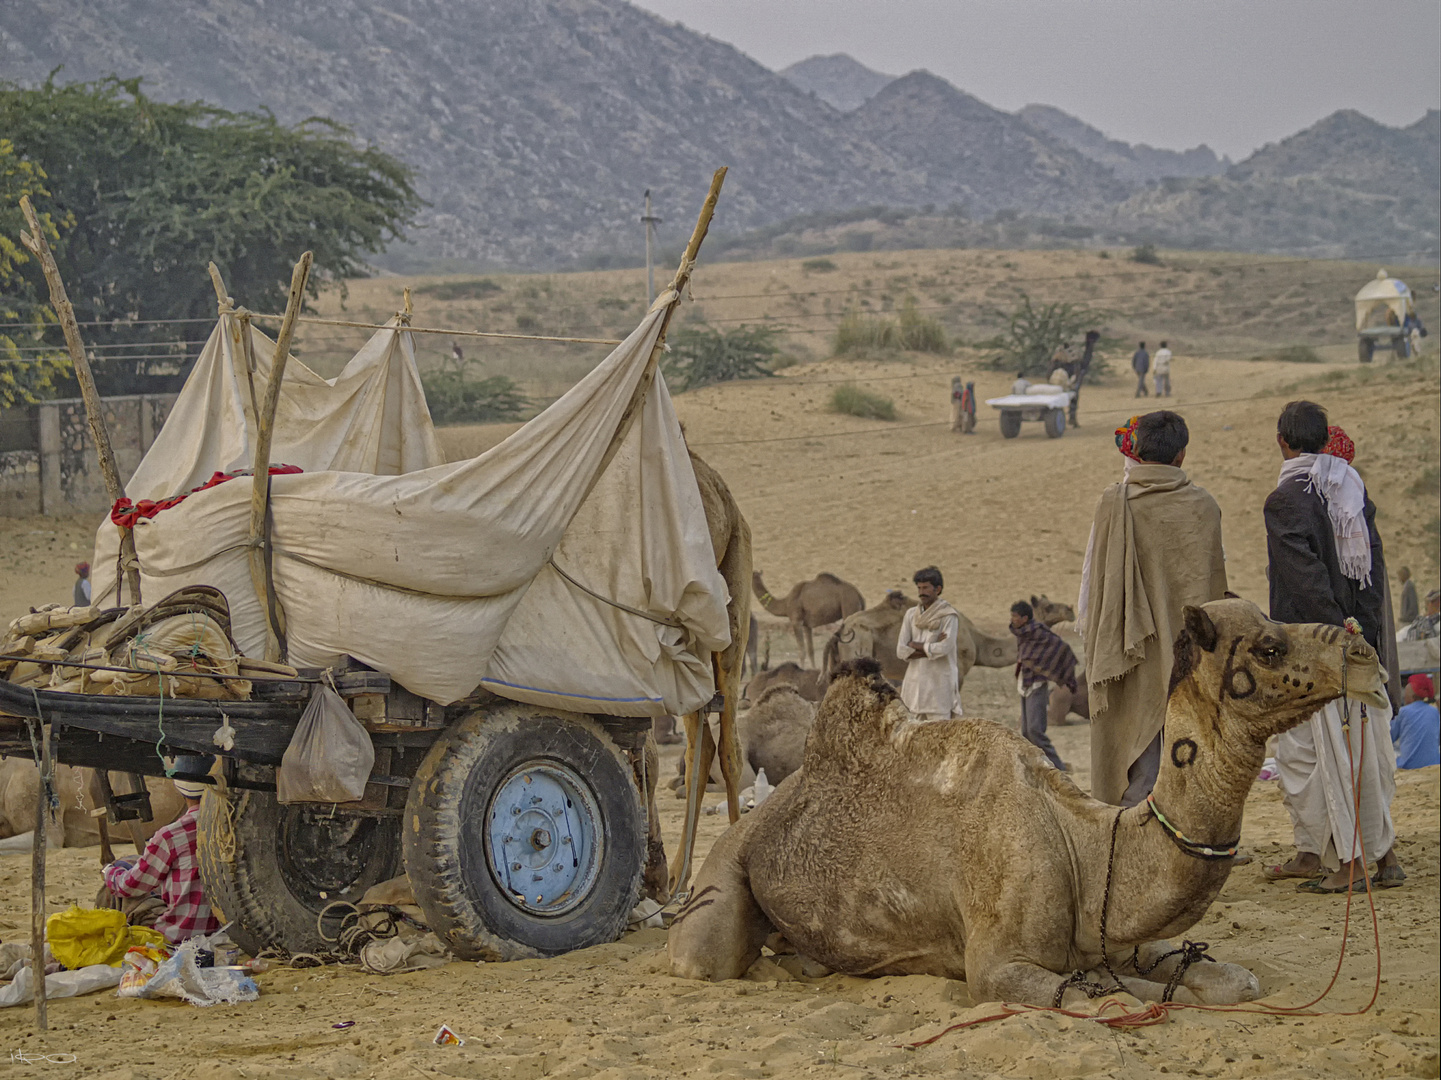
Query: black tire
column 1365, row 347
column 1055, row 423
column 1401, row 347
column 1010, row 423
column 456, row 812
column 265, row 869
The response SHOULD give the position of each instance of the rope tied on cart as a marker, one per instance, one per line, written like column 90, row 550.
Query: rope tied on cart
column 667, row 620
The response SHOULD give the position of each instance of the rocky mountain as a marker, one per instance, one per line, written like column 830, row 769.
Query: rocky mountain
column 535, row 125
column 1138, row 164
column 839, row 80
column 987, row 160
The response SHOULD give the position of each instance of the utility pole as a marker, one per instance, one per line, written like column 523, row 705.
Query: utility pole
column 651, row 221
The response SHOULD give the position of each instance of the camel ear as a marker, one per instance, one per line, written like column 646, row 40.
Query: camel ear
column 1203, row 630
column 1035, row 603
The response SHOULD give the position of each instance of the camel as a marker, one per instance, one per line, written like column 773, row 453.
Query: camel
column 1051, row 612
column 824, row 599
column 873, row 633
column 1012, row 877
column 805, row 681
column 75, row 825
column 774, row 730
column 731, row 540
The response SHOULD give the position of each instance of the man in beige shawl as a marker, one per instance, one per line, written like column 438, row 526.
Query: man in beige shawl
column 1155, row 547
column 927, row 642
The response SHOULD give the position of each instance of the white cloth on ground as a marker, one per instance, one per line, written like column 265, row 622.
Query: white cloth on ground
column 1315, row 773
column 930, row 686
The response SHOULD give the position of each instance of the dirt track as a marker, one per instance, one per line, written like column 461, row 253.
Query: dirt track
column 871, row 502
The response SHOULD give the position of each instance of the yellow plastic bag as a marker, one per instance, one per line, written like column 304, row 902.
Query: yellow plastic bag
column 81, row 937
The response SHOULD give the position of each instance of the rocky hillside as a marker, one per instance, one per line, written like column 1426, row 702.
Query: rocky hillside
column 1138, row 164
column 840, row 81
column 970, row 153
column 535, row 125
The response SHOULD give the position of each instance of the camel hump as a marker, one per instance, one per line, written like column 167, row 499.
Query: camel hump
column 779, row 690
column 829, row 578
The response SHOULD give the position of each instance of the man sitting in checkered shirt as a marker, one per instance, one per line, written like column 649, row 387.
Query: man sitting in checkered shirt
column 169, row 869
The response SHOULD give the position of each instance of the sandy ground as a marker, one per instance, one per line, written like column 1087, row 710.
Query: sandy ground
column 872, row 502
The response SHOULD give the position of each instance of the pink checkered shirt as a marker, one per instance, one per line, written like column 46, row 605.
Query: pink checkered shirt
column 170, row 870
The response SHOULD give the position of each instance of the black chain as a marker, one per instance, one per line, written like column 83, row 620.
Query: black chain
column 1190, row 952
column 1078, row 979
column 1106, row 901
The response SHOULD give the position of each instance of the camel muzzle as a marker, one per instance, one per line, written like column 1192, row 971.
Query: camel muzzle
column 1362, row 674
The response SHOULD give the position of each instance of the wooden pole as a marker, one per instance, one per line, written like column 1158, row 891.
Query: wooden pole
column 35, row 241
column 37, row 879
column 226, row 305
column 260, row 491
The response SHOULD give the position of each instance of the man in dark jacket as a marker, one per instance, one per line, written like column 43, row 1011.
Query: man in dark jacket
column 1326, row 565
column 1083, row 368
column 1140, row 364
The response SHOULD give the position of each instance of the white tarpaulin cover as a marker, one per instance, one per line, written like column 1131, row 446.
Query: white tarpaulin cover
column 446, row 576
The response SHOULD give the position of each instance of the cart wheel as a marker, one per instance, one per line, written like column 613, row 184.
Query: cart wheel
column 1401, row 347
column 1010, row 423
column 270, row 869
column 1055, row 423
column 1364, row 348
column 524, row 835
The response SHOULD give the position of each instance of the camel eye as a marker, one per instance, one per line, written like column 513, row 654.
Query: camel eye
column 1269, row 652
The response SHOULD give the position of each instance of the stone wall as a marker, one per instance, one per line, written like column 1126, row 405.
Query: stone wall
column 47, row 459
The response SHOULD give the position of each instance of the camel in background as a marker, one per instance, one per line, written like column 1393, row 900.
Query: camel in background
column 807, row 682
column 76, row 824
column 822, row 600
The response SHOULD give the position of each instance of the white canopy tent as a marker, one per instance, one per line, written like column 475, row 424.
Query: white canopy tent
column 527, row 570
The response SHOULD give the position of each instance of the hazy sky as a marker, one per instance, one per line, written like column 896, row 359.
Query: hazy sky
column 1233, row 74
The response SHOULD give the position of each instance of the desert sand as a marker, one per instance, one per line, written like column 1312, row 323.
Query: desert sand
column 871, row 501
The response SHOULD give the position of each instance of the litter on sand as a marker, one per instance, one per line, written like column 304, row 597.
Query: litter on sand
column 448, row 1036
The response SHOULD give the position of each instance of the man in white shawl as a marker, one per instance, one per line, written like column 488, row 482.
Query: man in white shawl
column 1326, row 565
column 927, row 642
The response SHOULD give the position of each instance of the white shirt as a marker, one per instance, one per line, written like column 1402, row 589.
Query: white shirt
column 929, row 688
column 1161, row 362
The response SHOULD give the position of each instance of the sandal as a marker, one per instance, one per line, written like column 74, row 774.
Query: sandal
column 1280, row 873
column 1389, row 877
column 1315, row 886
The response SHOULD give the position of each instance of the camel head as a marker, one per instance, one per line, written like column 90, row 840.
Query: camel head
column 1240, row 678
column 858, row 712
column 1050, row 611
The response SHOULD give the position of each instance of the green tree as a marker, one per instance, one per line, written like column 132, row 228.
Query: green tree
column 28, row 372
column 156, row 190
column 1035, row 330
column 702, row 356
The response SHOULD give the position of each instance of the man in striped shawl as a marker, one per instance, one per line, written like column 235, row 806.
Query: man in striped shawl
column 1042, row 658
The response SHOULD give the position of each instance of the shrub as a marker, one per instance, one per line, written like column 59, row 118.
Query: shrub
column 527, row 323
column 702, row 356
column 1146, row 253
column 470, row 289
column 818, row 266
column 920, row 333
column 1034, row 332
column 860, row 334
column 853, row 401
column 454, row 399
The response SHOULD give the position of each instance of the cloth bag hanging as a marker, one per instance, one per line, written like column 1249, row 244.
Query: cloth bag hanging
column 329, row 757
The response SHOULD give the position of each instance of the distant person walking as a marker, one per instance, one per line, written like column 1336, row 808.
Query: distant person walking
column 81, row 593
column 1410, row 605
column 927, row 643
column 1140, row 364
column 1042, row 658
column 1083, row 367
column 1161, row 370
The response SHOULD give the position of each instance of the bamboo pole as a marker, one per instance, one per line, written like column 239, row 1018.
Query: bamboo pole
column 37, row 880
column 226, row 306
column 260, row 491
column 35, row 241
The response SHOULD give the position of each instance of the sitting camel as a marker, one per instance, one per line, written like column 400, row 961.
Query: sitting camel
column 874, row 632
column 78, row 792
column 774, row 730
column 824, row 599
column 807, row 682
column 1013, row 878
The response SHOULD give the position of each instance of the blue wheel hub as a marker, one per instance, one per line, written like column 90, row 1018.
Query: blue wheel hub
column 543, row 838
